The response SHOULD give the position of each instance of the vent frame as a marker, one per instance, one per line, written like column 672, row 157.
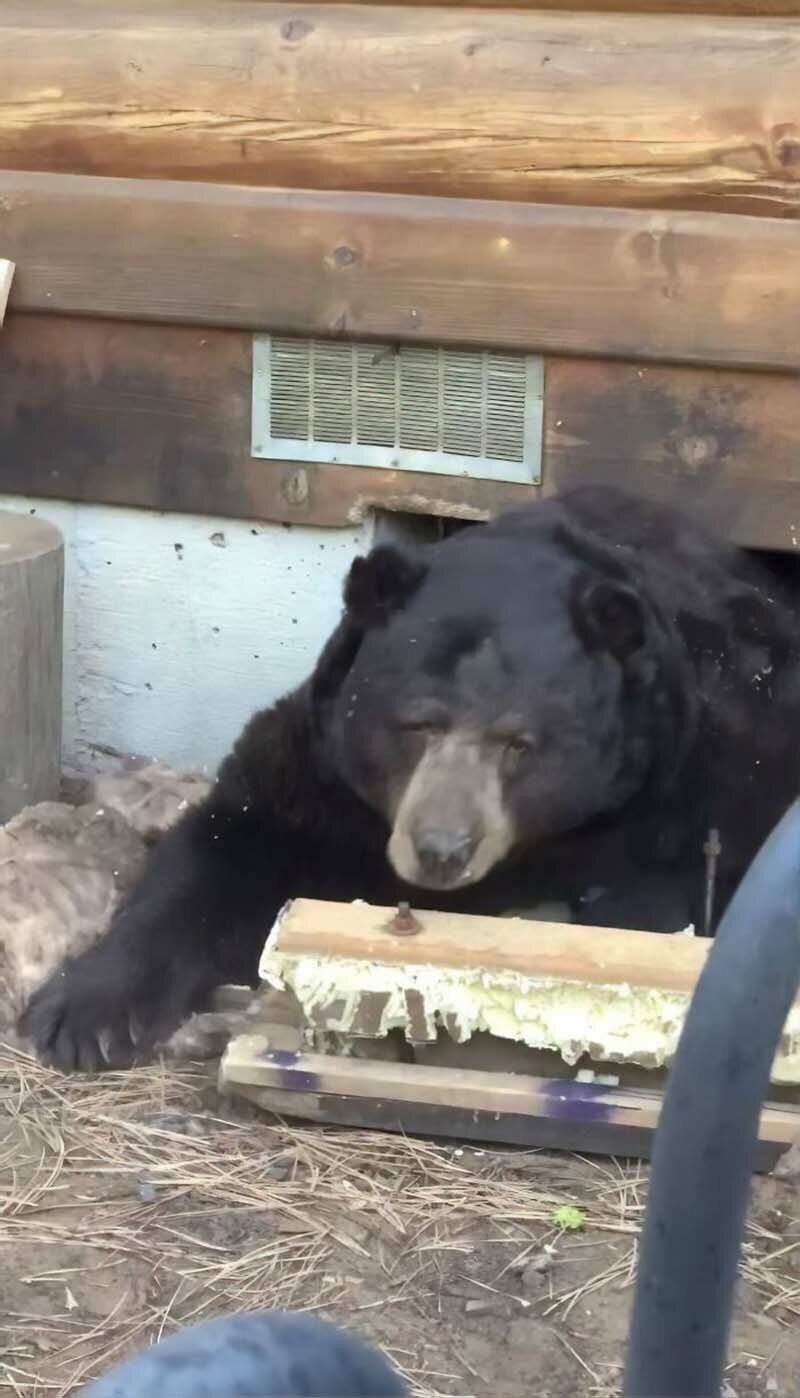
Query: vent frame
column 453, row 372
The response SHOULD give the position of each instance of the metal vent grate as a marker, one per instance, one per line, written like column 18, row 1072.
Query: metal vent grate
column 473, row 413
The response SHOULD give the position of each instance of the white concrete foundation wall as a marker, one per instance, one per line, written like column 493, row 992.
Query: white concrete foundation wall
column 177, row 627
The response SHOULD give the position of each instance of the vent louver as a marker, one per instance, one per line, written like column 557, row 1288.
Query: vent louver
column 474, row 413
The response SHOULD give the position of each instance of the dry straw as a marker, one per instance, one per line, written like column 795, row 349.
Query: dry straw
column 218, row 1210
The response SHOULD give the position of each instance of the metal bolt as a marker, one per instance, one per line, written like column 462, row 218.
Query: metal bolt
column 712, row 849
column 404, row 923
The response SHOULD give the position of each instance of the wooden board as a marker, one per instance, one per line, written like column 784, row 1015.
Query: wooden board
column 605, row 109
column 539, row 1113
column 159, row 417
column 587, row 1137
column 311, row 927
column 692, row 288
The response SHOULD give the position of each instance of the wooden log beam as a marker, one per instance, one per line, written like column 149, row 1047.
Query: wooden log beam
column 158, row 416
column 604, row 109
column 782, row 8
column 31, row 593
column 693, row 288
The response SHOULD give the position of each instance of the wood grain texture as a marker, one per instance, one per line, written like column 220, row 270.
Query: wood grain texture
column 31, row 629
column 724, row 445
column 760, row 8
column 513, row 1107
column 167, row 650
column 159, row 417
column 608, row 109
column 312, row 928
column 508, row 1128
column 694, row 288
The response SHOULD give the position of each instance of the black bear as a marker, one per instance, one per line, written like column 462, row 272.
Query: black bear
column 556, row 705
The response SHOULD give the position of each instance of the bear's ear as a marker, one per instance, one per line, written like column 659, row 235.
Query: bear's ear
column 607, row 615
column 761, row 621
column 381, row 584
column 331, row 670
column 755, row 617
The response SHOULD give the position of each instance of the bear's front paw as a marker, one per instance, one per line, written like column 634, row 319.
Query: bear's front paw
column 83, row 1021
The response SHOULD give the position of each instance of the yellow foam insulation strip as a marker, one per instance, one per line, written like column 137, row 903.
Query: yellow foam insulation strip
column 615, row 1021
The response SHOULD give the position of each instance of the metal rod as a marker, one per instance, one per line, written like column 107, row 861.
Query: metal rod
column 712, row 849
column 705, row 1144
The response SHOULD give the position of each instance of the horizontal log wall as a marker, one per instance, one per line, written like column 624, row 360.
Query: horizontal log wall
column 782, row 8
column 697, row 288
column 346, row 104
column 602, row 109
column 159, row 416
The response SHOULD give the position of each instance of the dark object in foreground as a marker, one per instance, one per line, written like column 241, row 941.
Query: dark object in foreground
column 268, row 1355
column 705, row 1146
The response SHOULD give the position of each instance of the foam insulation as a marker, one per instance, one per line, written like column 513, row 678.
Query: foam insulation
column 613, row 1023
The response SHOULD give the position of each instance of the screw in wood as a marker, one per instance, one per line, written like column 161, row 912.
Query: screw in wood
column 404, row 923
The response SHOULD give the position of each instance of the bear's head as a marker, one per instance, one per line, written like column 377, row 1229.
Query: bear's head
column 493, row 692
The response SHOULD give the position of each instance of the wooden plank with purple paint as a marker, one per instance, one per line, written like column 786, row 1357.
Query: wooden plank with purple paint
column 541, row 1113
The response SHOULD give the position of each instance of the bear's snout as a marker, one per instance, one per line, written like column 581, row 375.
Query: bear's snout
column 443, row 856
column 452, row 823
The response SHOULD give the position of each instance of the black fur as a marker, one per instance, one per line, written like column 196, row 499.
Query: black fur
column 674, row 705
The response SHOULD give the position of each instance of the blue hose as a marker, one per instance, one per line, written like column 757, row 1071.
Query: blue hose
column 266, row 1354
column 706, row 1140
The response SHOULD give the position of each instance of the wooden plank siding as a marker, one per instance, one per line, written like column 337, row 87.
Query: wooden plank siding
column 159, row 417
column 693, row 288
column 782, row 9
column 509, row 1108
column 449, row 176
column 633, row 110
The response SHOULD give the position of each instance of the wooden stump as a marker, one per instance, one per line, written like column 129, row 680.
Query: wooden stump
column 31, row 631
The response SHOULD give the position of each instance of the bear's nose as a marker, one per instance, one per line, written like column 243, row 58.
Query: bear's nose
column 443, row 855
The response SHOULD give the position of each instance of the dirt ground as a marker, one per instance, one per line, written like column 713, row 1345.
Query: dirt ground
column 137, row 1202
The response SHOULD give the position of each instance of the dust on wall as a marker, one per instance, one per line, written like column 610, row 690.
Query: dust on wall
column 177, row 627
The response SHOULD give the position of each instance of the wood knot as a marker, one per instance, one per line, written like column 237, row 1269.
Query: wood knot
column 698, row 451
column 345, row 256
column 787, row 151
column 295, row 488
column 295, row 30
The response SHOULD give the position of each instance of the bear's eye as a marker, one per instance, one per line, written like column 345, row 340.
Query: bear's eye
column 519, row 745
column 423, row 727
column 423, row 719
